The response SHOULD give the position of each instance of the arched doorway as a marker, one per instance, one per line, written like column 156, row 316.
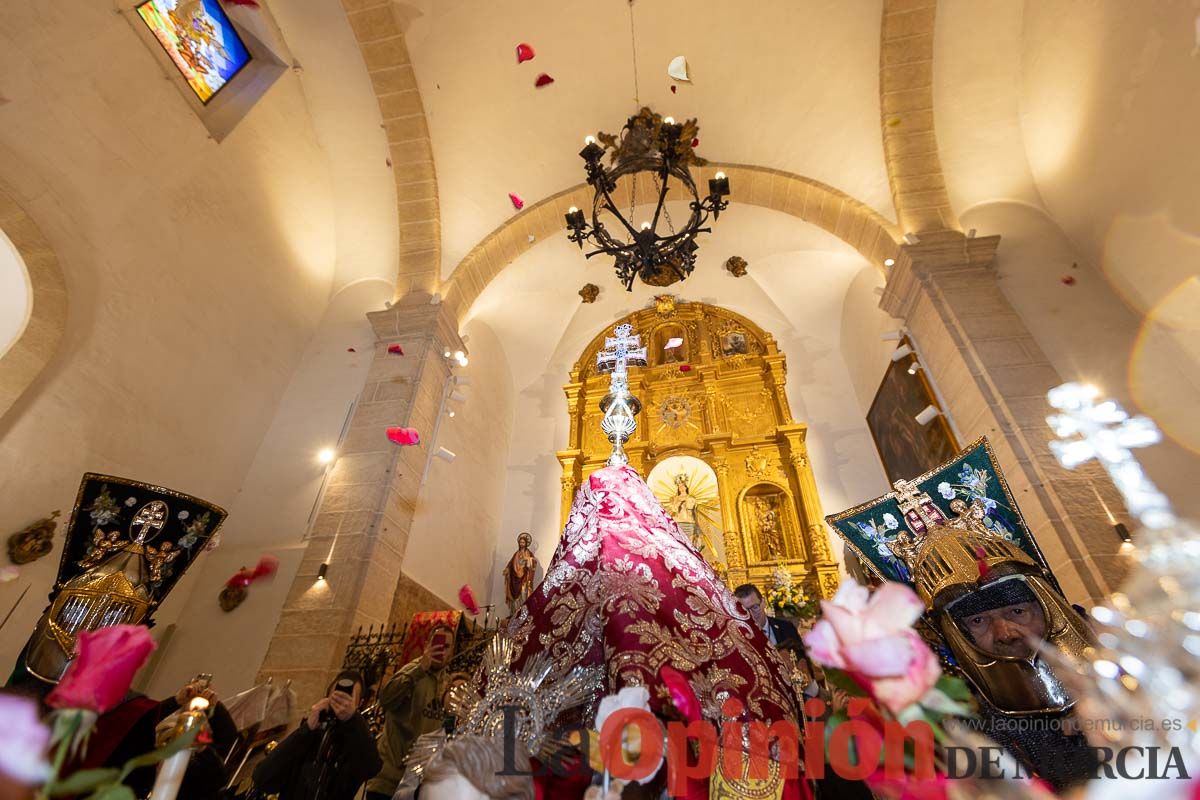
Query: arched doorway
column 717, row 396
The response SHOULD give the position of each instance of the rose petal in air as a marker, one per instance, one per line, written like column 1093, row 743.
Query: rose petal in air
column 543, row 80
column 404, row 435
column 517, row 202
column 685, row 367
column 467, row 598
column 673, row 88
column 678, row 69
column 396, row 350
column 524, row 53
column 1068, row 280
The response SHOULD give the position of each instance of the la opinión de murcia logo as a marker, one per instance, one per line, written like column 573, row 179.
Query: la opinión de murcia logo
column 856, row 749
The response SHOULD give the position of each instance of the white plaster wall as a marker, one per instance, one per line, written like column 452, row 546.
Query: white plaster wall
column 197, row 273
column 270, row 512
column 1088, row 333
column 863, row 325
column 456, row 533
column 16, row 294
column 796, row 289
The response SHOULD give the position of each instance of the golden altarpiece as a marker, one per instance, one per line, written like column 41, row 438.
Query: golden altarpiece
column 717, row 395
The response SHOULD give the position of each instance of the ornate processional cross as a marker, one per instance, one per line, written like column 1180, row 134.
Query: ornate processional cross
column 619, row 406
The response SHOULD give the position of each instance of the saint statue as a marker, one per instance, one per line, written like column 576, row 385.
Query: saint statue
column 682, row 507
column 768, row 530
column 519, row 573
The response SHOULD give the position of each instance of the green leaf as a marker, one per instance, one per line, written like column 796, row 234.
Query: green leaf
column 955, row 688
column 841, row 680
column 85, row 780
column 114, row 791
column 161, row 754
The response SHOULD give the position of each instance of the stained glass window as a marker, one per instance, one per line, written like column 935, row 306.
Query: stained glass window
column 200, row 40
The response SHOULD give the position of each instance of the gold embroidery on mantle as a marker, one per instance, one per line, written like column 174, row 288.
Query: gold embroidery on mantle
column 719, row 396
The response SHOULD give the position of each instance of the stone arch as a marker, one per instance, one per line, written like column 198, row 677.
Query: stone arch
column 853, row 222
column 379, row 30
column 910, row 150
column 37, row 344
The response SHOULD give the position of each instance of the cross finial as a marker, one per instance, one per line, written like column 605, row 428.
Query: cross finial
column 1103, row 431
column 619, row 406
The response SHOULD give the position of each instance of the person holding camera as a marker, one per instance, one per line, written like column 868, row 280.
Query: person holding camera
column 330, row 755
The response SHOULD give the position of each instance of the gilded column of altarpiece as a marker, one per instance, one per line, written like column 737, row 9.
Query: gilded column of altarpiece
column 718, row 396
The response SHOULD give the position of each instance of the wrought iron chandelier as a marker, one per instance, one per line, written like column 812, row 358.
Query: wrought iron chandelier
column 653, row 250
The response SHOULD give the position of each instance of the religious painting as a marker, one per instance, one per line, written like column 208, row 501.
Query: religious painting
column 199, row 39
column 687, row 488
column 734, row 343
column 906, row 447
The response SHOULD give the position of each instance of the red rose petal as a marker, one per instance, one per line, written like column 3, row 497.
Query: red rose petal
column 1068, row 280
column 696, row 142
column 543, row 80
column 467, row 598
column 672, row 88
column 396, row 350
column 517, row 202
column 685, row 367
column 524, row 53
column 404, row 435
column 351, row 350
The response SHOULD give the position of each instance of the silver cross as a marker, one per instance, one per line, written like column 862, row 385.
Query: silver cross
column 1103, row 431
column 619, row 406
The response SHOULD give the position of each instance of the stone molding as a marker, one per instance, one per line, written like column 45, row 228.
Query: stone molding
column 31, row 352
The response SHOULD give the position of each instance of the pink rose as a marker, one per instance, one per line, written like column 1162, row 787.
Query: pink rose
column 105, row 662
column 23, row 742
column 871, row 637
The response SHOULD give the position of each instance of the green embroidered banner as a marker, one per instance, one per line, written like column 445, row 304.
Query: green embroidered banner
column 971, row 475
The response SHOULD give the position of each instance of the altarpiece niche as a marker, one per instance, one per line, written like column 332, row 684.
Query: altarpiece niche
column 718, row 443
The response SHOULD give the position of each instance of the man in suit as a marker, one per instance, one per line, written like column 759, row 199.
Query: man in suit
column 781, row 633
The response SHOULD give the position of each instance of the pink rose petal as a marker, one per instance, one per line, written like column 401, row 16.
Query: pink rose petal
column 524, row 53
column 404, row 435
column 685, row 367
column 396, row 350
column 517, row 202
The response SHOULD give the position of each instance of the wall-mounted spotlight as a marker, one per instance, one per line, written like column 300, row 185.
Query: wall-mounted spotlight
column 913, row 367
column 450, row 413
column 460, row 380
column 446, row 353
column 326, row 455
column 903, row 351
column 435, row 300
column 322, row 572
column 458, row 397
column 892, row 336
column 912, row 238
column 446, row 455
column 928, row 414
column 889, row 262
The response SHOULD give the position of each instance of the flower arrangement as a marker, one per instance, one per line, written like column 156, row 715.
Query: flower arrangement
column 788, row 598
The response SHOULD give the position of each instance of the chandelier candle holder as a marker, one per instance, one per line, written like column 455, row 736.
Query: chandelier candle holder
column 654, row 250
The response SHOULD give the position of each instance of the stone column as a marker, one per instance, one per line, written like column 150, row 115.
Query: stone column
column 362, row 522
column 994, row 379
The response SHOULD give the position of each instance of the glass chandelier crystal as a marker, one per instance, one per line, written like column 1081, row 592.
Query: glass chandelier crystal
column 652, row 250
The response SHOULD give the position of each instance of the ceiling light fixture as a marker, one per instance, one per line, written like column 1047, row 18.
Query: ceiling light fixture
column 661, row 149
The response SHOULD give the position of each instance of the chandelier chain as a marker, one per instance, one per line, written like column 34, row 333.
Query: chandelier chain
column 633, row 47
